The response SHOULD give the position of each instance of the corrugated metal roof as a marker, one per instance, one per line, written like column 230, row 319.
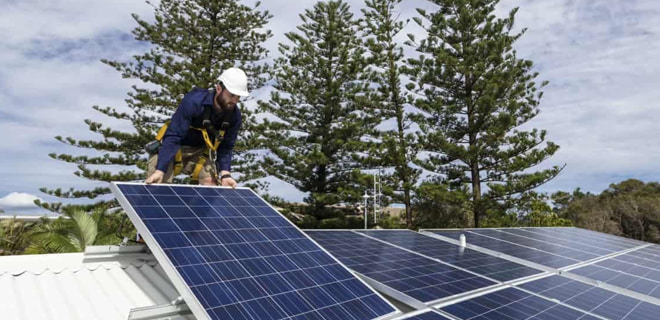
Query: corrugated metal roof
column 64, row 286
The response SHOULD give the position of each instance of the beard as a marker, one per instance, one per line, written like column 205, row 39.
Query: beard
column 222, row 103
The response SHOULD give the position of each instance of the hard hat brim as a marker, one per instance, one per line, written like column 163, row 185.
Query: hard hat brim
column 239, row 93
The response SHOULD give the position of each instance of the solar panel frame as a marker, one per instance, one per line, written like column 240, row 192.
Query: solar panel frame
column 176, row 277
column 424, row 314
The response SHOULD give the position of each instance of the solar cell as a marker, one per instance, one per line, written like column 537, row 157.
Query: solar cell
column 423, row 279
column 232, row 256
column 593, row 299
column 511, row 303
column 483, row 264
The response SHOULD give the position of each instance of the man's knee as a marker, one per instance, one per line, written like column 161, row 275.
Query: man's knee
column 208, row 181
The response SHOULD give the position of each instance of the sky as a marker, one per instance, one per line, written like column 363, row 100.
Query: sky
column 600, row 57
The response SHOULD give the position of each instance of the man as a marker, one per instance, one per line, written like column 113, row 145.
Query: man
column 191, row 131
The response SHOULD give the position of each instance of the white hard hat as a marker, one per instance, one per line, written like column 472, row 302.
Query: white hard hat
column 235, row 80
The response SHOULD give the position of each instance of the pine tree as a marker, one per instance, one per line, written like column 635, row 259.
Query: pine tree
column 478, row 94
column 320, row 114
column 397, row 149
column 192, row 41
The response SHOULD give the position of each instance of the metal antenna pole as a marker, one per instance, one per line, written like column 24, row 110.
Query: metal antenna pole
column 375, row 201
column 365, row 197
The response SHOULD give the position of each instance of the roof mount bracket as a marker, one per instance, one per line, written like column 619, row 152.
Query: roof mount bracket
column 112, row 253
column 177, row 308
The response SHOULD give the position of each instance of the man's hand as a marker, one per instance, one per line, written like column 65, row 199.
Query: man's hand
column 156, row 177
column 227, row 181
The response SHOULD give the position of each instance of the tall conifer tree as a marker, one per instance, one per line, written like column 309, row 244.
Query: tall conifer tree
column 192, row 41
column 478, row 95
column 397, row 148
column 321, row 115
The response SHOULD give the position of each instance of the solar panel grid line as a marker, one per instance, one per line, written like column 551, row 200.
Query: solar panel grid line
column 491, row 252
column 543, row 246
column 613, row 288
column 603, row 258
column 456, row 258
column 565, row 305
column 379, row 286
column 592, row 299
column 525, row 253
column 631, row 242
column 514, row 303
column 584, row 244
column 593, row 239
column 645, row 256
column 428, row 257
column 242, row 268
column 604, row 276
column 389, row 271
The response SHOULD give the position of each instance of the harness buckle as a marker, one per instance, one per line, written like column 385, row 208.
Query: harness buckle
column 213, row 155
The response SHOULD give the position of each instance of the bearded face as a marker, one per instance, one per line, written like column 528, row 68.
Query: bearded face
column 225, row 100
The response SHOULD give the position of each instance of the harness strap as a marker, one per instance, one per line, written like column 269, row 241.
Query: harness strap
column 218, row 136
column 198, row 168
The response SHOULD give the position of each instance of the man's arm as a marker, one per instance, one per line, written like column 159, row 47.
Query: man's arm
column 171, row 144
column 226, row 148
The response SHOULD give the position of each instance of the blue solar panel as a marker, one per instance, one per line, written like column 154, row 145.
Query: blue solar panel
column 625, row 279
column 594, row 242
column 549, row 247
column 490, row 266
column 512, row 303
column 593, row 299
column 549, row 259
column 567, row 240
column 240, row 259
column 421, row 278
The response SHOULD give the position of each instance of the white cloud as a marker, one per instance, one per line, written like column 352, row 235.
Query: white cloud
column 16, row 200
column 600, row 58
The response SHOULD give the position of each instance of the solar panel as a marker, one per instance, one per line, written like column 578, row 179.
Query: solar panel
column 232, row 256
column 528, row 249
column 586, row 240
column 625, row 271
column 422, row 279
column 511, row 303
column 593, row 299
column 483, row 264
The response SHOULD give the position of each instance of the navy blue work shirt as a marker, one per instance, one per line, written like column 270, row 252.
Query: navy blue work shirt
column 191, row 112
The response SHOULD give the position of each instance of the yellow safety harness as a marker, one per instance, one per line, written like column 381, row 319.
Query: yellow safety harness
column 212, row 147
